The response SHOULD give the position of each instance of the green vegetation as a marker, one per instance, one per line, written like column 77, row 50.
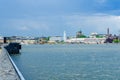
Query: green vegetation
column 116, row 40
column 98, row 36
column 81, row 36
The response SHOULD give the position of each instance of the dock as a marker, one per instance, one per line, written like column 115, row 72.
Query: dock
column 7, row 70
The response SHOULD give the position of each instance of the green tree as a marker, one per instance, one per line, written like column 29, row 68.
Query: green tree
column 116, row 40
column 81, row 36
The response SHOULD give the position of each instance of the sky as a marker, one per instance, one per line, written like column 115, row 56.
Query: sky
column 53, row 17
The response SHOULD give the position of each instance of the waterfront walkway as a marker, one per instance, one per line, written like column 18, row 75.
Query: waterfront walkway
column 7, row 71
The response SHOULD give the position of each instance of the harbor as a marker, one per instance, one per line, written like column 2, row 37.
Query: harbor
column 69, row 62
column 59, row 39
column 57, row 58
column 78, row 38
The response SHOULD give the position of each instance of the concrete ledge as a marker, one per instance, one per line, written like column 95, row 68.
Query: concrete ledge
column 7, row 70
column 16, row 69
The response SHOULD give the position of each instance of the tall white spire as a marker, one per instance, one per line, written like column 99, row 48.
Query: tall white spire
column 64, row 36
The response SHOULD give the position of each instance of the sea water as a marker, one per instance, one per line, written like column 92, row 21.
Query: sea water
column 69, row 62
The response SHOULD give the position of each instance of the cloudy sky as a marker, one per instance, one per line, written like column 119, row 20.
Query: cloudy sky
column 53, row 17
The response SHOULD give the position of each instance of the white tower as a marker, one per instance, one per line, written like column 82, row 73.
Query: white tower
column 64, row 36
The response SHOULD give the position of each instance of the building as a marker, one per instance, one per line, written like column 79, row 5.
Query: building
column 108, row 32
column 1, row 40
column 56, row 39
column 64, row 36
column 79, row 34
column 96, row 35
column 86, row 40
column 93, row 35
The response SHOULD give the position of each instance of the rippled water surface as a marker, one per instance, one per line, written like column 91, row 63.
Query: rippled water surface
column 69, row 62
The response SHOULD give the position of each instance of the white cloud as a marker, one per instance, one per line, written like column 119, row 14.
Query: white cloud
column 72, row 23
column 28, row 25
column 24, row 28
column 94, row 23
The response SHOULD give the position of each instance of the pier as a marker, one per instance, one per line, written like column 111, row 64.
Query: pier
column 8, row 70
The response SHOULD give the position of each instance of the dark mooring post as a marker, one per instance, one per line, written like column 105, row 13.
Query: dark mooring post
column 5, row 39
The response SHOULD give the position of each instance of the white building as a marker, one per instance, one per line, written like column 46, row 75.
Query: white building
column 56, row 39
column 93, row 35
column 64, row 36
column 1, row 39
column 87, row 40
column 96, row 35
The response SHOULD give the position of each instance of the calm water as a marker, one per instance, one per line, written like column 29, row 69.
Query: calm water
column 69, row 62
